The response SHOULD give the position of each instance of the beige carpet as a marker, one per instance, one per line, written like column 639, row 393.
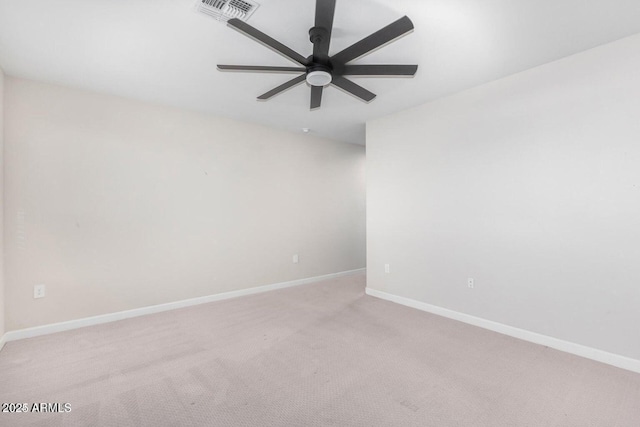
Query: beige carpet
column 317, row 355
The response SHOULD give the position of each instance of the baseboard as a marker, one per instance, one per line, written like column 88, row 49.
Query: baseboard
column 558, row 344
column 3, row 339
column 112, row 317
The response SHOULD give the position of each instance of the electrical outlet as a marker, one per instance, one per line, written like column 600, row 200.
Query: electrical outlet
column 296, row 259
column 38, row 291
column 386, row 268
column 470, row 282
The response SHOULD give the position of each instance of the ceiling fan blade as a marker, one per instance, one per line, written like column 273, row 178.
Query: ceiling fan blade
column 380, row 70
column 259, row 68
column 354, row 89
column 271, row 43
column 325, row 10
column 316, row 97
column 376, row 40
column 275, row 91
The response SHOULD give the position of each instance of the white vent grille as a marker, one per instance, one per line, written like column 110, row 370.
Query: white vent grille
column 223, row 10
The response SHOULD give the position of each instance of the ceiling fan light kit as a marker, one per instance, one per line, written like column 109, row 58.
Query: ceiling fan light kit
column 320, row 70
column 319, row 78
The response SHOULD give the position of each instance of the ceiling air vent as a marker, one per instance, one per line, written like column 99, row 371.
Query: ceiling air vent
column 223, row 10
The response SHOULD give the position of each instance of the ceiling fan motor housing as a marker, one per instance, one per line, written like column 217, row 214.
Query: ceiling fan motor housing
column 319, row 71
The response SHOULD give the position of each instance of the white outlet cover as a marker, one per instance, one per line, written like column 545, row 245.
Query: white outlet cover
column 296, row 259
column 387, row 269
column 470, row 282
column 39, row 291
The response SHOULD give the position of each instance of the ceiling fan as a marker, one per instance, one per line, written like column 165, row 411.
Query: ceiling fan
column 319, row 69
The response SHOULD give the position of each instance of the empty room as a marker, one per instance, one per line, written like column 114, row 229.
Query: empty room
column 320, row 213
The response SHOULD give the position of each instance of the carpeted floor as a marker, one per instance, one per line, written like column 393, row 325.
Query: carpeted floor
column 316, row 355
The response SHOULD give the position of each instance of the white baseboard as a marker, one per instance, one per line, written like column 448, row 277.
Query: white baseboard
column 112, row 317
column 3, row 339
column 558, row 344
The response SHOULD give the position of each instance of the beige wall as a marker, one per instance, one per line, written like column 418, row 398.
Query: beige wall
column 116, row 204
column 531, row 186
column 2, row 205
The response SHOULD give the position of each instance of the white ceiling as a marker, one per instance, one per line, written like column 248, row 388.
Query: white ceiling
column 162, row 51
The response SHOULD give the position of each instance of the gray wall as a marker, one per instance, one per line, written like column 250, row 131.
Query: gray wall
column 2, row 310
column 116, row 204
column 531, row 186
